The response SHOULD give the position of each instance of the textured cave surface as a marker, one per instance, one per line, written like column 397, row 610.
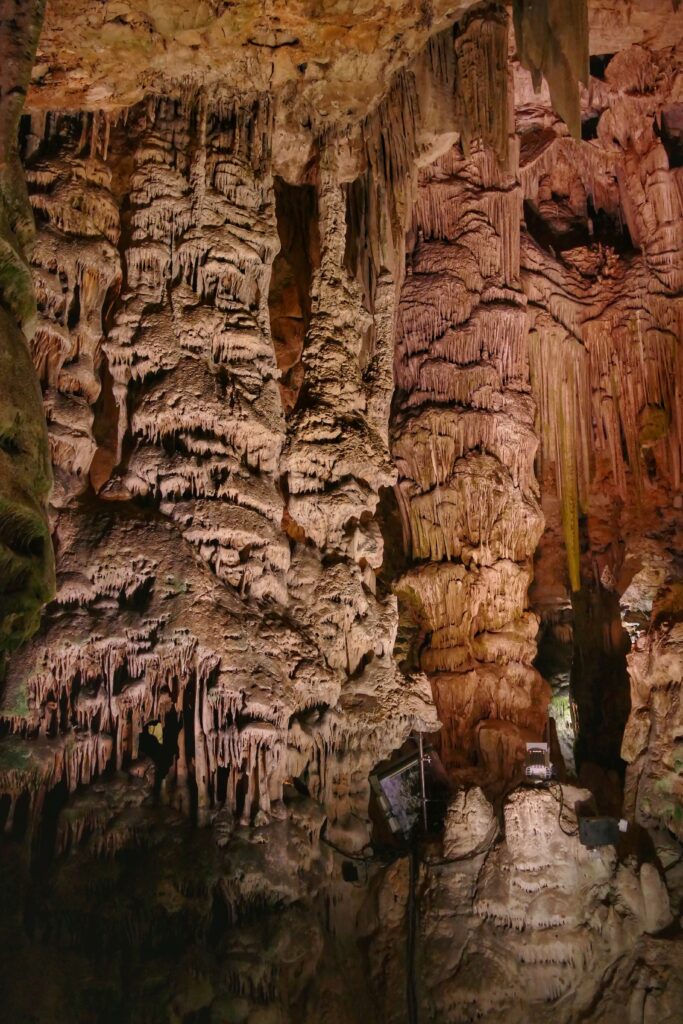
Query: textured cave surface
column 341, row 400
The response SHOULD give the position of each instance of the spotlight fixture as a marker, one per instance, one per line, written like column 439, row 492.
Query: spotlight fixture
column 410, row 789
column 537, row 766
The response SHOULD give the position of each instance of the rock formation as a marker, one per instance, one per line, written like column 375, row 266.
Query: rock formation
column 464, row 447
column 357, row 329
column 544, row 918
column 26, row 558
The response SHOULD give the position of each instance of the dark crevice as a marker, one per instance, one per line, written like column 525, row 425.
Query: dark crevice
column 556, row 228
column 589, row 127
column 163, row 753
column 105, row 429
column 53, row 805
column 557, row 235
column 396, row 559
column 359, row 258
column 598, row 65
column 187, row 722
column 670, row 131
column 608, row 231
column 74, row 312
column 601, row 691
column 289, row 294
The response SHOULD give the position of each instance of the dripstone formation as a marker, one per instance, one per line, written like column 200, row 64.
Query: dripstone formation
column 341, row 401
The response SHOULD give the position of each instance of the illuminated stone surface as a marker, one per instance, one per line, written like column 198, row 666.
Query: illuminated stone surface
column 362, row 387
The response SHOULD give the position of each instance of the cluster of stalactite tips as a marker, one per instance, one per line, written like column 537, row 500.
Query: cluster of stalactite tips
column 302, row 455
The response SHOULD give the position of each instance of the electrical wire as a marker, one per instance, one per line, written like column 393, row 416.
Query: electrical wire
column 412, row 1003
column 435, row 863
column 411, row 912
column 574, row 832
column 378, row 858
column 349, row 856
column 411, row 934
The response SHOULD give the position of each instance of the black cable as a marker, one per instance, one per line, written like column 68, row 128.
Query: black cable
column 411, row 932
column 575, row 831
column 349, row 856
column 433, row 863
column 469, row 856
column 388, row 857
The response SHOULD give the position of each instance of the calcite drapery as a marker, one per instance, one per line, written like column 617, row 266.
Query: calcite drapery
column 198, row 431
column 77, row 273
column 601, row 269
column 545, row 913
column 552, row 41
column 605, row 363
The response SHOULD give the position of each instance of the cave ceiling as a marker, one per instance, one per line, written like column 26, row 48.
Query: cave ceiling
column 329, row 60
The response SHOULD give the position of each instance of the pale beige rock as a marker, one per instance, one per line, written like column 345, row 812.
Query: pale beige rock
column 470, row 826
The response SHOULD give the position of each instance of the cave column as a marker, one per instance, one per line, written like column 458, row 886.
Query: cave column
column 464, row 445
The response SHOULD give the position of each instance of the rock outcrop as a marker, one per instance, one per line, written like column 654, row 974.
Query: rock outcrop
column 26, row 561
column 548, row 918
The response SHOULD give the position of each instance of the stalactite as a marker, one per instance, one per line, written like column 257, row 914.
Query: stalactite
column 604, row 374
column 76, row 267
column 235, row 635
column 552, row 40
column 559, row 377
column 481, row 45
column 466, row 68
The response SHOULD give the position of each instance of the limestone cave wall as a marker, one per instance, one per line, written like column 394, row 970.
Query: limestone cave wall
column 358, row 338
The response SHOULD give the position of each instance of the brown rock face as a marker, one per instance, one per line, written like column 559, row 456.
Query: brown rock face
column 357, row 327
column 26, row 563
